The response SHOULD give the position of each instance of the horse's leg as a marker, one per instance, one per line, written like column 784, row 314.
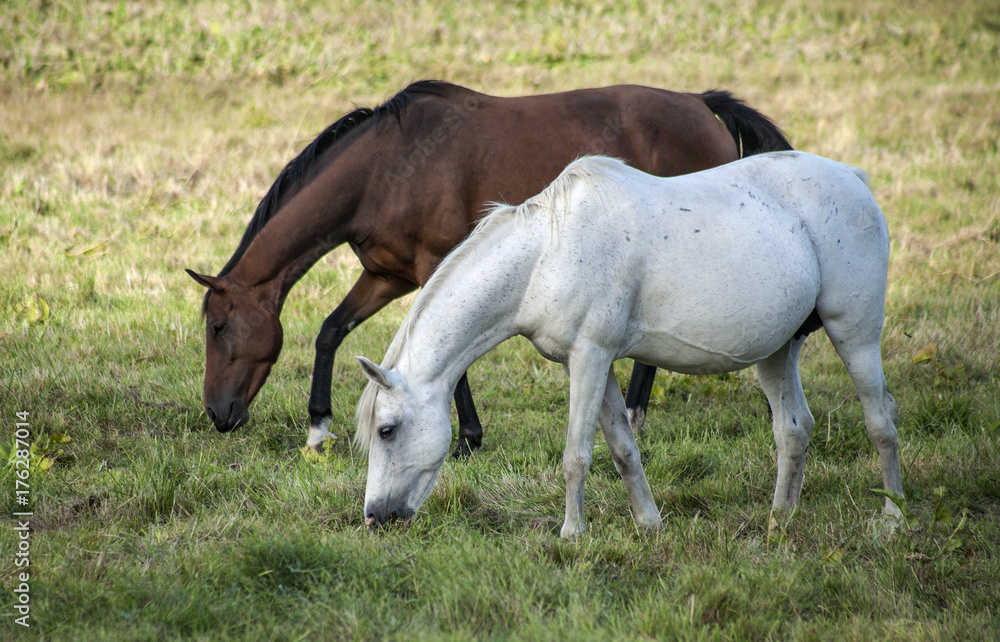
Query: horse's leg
column 863, row 360
column 587, row 370
column 640, row 386
column 368, row 296
column 791, row 420
column 470, row 431
column 625, row 453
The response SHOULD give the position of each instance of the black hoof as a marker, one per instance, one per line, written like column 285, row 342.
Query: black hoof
column 465, row 447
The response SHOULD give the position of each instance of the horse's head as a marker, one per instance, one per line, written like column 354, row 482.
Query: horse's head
column 407, row 431
column 243, row 337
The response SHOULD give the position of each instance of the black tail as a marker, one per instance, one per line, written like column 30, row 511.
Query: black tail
column 753, row 132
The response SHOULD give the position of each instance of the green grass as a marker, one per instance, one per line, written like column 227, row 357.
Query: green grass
column 135, row 140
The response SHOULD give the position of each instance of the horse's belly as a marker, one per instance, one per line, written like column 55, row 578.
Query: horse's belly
column 678, row 354
column 720, row 329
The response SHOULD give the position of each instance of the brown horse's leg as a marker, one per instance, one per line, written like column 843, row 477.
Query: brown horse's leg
column 639, row 389
column 470, row 431
column 368, row 296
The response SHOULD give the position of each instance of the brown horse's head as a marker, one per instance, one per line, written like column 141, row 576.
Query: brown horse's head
column 243, row 337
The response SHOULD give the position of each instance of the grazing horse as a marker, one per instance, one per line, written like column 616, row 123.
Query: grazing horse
column 706, row 273
column 403, row 184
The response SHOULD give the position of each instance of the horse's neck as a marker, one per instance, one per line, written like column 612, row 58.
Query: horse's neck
column 472, row 310
column 316, row 219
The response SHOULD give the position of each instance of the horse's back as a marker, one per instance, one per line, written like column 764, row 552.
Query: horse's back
column 713, row 271
column 506, row 149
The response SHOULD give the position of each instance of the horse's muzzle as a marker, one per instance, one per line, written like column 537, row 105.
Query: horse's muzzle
column 382, row 515
column 229, row 417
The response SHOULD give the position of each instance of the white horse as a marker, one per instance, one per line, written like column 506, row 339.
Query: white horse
column 705, row 273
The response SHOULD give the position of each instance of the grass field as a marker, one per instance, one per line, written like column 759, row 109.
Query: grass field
column 135, row 141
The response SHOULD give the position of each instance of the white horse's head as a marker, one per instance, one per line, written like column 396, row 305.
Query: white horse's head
column 407, row 432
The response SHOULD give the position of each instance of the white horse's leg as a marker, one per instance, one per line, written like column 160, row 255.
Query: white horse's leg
column 793, row 423
column 587, row 370
column 621, row 442
column 863, row 360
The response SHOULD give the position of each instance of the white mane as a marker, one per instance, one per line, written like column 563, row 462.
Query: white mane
column 554, row 200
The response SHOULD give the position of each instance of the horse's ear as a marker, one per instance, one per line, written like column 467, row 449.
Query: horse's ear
column 384, row 379
column 213, row 283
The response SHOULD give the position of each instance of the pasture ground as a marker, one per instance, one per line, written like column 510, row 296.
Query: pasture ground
column 135, row 141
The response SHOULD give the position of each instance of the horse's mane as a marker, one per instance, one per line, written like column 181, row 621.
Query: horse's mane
column 293, row 177
column 554, row 201
column 364, row 415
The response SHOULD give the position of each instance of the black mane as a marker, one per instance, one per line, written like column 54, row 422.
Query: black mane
column 291, row 178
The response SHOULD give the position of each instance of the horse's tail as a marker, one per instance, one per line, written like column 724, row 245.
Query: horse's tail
column 753, row 132
column 861, row 174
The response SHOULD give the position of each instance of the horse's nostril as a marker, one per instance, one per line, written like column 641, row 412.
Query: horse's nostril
column 210, row 413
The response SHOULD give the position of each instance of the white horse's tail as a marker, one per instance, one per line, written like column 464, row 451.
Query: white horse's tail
column 860, row 173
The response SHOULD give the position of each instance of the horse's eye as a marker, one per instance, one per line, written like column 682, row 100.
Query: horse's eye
column 386, row 431
column 218, row 329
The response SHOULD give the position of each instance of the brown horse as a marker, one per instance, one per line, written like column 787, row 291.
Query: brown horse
column 403, row 184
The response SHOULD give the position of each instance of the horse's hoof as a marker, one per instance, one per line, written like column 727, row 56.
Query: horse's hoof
column 569, row 531
column 465, row 447
column 636, row 419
